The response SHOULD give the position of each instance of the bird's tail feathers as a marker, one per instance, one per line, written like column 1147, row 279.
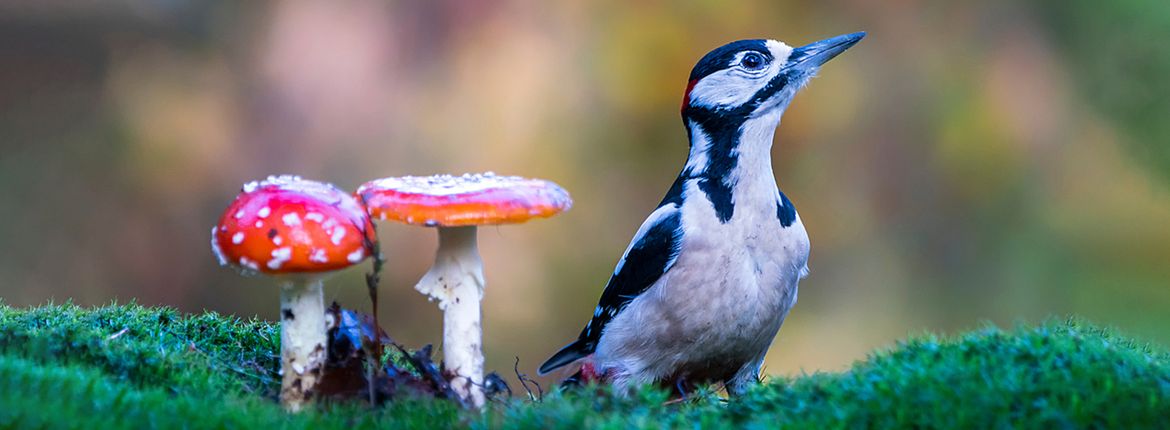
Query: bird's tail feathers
column 570, row 353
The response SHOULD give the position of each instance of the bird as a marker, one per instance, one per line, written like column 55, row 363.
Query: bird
column 707, row 280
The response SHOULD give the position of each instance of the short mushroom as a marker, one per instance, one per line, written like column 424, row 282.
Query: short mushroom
column 298, row 231
column 456, row 205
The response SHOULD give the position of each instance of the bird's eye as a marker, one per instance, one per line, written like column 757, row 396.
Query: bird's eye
column 752, row 61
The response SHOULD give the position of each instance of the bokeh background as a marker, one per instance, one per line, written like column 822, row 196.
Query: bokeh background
column 969, row 161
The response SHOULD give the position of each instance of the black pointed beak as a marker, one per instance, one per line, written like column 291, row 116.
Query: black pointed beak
column 817, row 53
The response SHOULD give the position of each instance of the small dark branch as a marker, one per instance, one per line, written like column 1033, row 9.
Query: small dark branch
column 371, row 382
column 525, row 380
column 374, row 354
column 421, row 361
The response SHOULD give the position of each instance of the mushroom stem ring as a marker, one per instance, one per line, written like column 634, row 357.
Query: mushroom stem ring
column 456, row 282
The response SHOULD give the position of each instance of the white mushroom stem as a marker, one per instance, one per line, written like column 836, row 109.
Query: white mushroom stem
column 456, row 282
column 302, row 340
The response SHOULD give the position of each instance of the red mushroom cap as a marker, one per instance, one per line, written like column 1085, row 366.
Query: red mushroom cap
column 286, row 224
column 453, row 201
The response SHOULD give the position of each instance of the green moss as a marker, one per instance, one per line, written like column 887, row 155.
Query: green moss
column 1059, row 375
column 205, row 353
column 62, row 366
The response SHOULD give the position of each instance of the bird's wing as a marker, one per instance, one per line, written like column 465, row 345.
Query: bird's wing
column 651, row 253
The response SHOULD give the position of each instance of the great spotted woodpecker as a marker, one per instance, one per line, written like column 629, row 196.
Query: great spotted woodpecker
column 709, row 277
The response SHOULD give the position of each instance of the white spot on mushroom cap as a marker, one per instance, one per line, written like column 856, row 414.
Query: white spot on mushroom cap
column 536, row 194
column 238, row 238
column 356, row 256
column 445, row 185
column 317, row 255
column 278, row 181
column 335, row 210
column 279, row 256
column 248, row 263
column 291, row 219
column 323, row 191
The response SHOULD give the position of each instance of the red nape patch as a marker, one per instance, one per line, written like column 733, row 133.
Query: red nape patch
column 687, row 94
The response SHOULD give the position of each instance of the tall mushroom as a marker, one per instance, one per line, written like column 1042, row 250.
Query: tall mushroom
column 456, row 205
column 297, row 231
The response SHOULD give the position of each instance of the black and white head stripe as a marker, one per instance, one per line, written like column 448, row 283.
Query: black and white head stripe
column 745, row 74
column 724, row 56
column 727, row 86
column 734, row 73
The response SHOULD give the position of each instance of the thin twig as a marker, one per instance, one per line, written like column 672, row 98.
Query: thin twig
column 374, row 352
column 524, row 380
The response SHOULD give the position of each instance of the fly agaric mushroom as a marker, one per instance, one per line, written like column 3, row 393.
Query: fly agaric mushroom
column 456, row 205
column 298, row 231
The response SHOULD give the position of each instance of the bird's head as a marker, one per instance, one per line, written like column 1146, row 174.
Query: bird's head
column 752, row 78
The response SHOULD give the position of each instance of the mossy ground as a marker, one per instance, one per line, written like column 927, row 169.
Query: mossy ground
column 62, row 366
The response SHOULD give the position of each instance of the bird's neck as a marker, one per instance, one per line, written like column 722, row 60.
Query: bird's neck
column 755, row 151
column 730, row 149
column 732, row 157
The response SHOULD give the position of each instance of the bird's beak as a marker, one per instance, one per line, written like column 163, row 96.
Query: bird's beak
column 817, row 53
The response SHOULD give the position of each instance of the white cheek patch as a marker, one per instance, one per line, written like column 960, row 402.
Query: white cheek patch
column 730, row 87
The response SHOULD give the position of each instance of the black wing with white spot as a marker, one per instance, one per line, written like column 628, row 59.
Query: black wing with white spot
column 651, row 253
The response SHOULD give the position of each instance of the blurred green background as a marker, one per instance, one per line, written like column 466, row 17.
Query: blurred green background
column 994, row 160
